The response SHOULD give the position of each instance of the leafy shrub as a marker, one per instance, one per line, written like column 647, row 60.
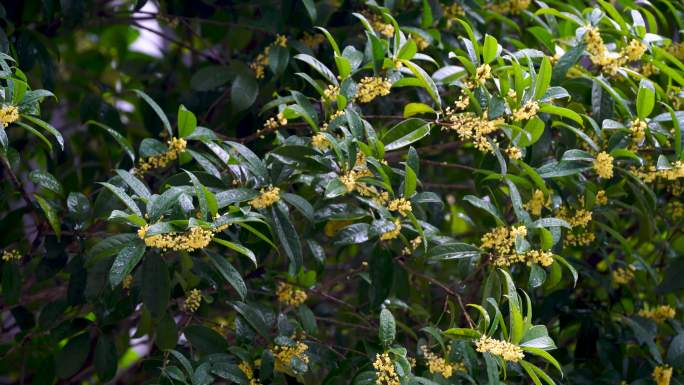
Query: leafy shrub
column 437, row 193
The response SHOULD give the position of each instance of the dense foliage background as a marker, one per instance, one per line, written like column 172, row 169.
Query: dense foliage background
column 342, row 192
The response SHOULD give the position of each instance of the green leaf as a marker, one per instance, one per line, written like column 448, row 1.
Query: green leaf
column 645, row 99
column 230, row 274
column 123, row 142
column 561, row 111
column 243, row 92
column 106, row 358
column 45, row 180
column 50, row 214
column 123, row 197
column 47, row 127
column 126, row 259
column 425, row 81
column 675, row 352
column 543, row 78
column 73, row 356
column 187, row 122
column 490, row 49
column 210, row 77
column 205, row 340
column 411, row 109
column 462, row 333
column 160, row 113
column 135, row 184
column 310, row 9
column 409, row 182
column 454, row 250
column 406, row 132
column 388, row 329
column 318, row 67
column 167, row 333
column 287, row 234
column 156, row 287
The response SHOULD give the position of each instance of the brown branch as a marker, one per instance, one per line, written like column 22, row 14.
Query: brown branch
column 24, row 195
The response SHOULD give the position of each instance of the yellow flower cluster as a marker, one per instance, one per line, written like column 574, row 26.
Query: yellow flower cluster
column 8, row 114
column 284, row 355
column 662, row 374
column 471, row 127
column 290, row 295
column 676, row 210
column 127, row 282
column 261, row 61
column 638, row 130
column 11, row 256
column 313, row 41
column 191, row 240
column 439, row 365
column 320, row 142
column 402, row 205
column 273, row 123
column 623, row 276
column 176, row 147
column 500, row 242
column 192, row 301
column 267, row 197
column 331, row 92
column 452, row 12
column 379, row 24
column 514, row 7
column 677, row 50
column 371, row 87
column 349, row 180
column 634, row 50
column 603, row 165
column 610, row 62
column 601, row 198
column 462, row 102
column 334, row 116
column 415, row 242
column 391, row 234
column 659, row 314
column 249, row 373
column 504, row 349
column 421, row 42
column 514, row 152
column 385, row 372
column 482, row 73
column 527, row 111
column 537, row 202
column 670, row 174
column 580, row 218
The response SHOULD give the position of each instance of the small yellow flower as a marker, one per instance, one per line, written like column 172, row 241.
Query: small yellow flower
column 249, row 373
column 379, row 24
column 482, row 73
column 8, row 114
column 603, row 165
column 623, row 276
column 504, row 349
column 529, row 110
column 601, row 198
column 175, row 147
column 402, row 205
column 284, row 355
column 290, row 295
column 391, row 234
column 372, row 87
column 192, row 301
column 473, row 128
column 514, row 153
column 127, row 282
column 659, row 314
column 662, row 374
column 280, row 41
column 11, row 256
column 537, row 202
column 194, row 239
column 313, row 41
column 320, row 142
column 439, row 365
column 385, row 371
column 267, row 197
column 638, row 130
column 634, row 50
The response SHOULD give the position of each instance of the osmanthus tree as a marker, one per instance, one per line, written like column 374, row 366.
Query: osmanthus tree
column 483, row 193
